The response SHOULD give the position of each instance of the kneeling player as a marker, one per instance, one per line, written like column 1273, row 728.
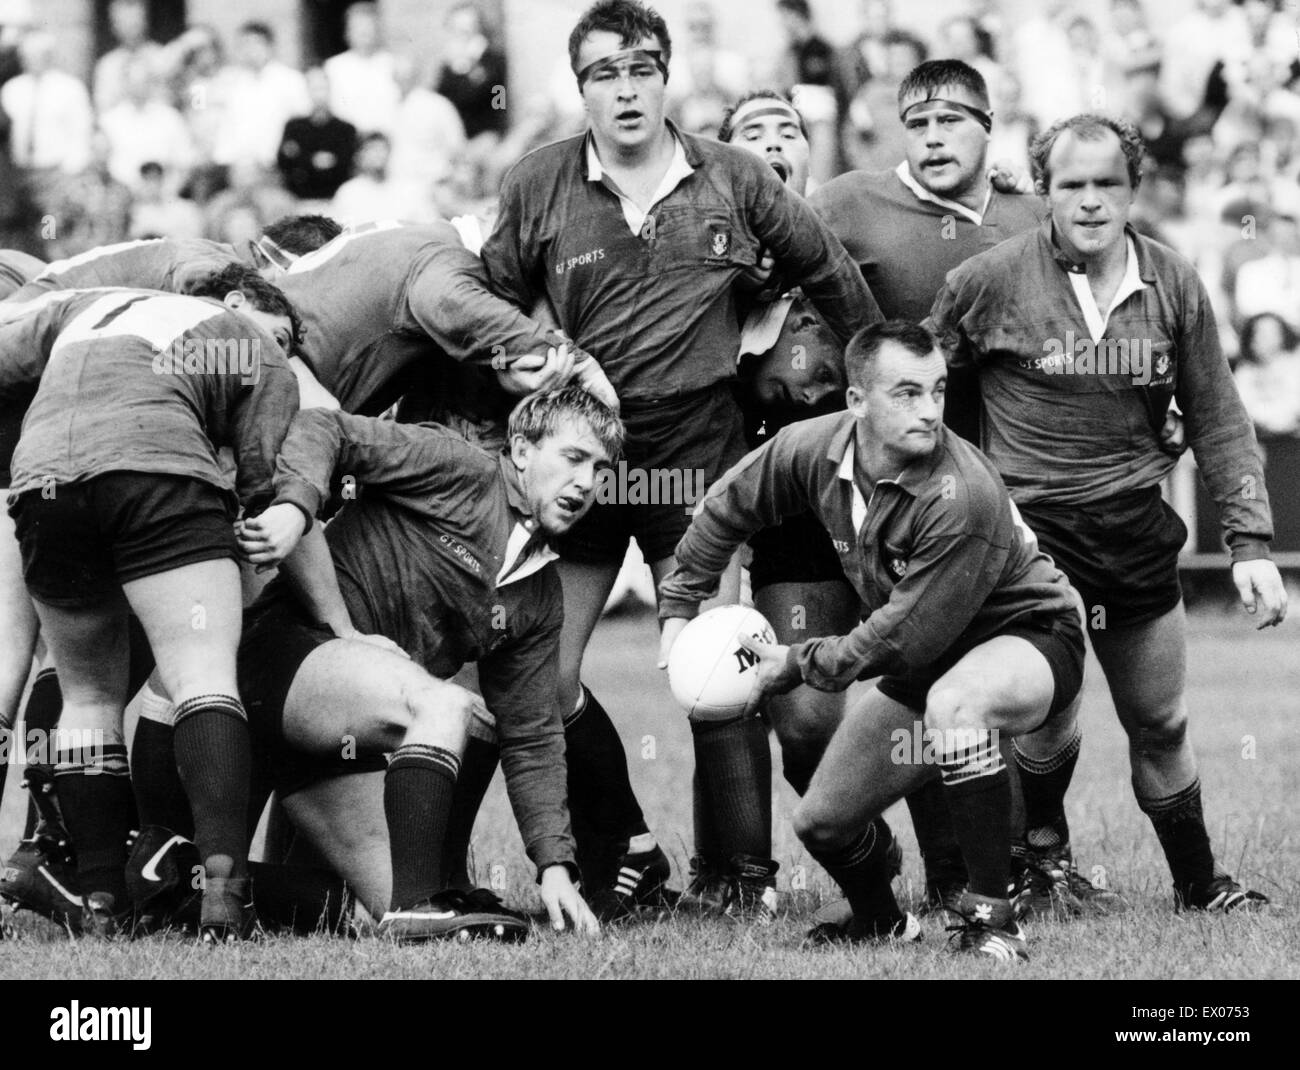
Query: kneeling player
column 444, row 552
column 974, row 631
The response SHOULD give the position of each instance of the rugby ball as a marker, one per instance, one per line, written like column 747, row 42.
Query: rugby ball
column 709, row 672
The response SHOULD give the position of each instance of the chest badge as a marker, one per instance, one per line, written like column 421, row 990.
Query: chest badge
column 721, row 242
column 1162, row 364
column 898, row 567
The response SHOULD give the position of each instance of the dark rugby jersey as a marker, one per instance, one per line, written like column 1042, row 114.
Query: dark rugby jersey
column 17, row 268
column 385, row 305
column 656, row 308
column 437, row 551
column 137, row 381
column 938, row 556
column 150, row 264
column 1065, row 434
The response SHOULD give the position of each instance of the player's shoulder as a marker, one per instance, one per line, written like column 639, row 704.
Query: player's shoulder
column 547, row 163
column 966, row 486
column 991, row 266
column 853, row 187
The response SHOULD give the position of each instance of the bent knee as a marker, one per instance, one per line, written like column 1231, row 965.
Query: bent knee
column 439, row 702
column 951, row 708
column 817, row 829
column 1165, row 732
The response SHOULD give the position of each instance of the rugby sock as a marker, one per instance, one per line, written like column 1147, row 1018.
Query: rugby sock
column 935, row 837
column 41, row 714
column 214, row 758
column 734, row 765
column 863, row 871
column 418, row 790
column 159, row 794
column 477, row 767
column 602, row 805
column 1044, row 782
column 94, row 789
column 703, row 820
column 978, row 789
column 1180, row 826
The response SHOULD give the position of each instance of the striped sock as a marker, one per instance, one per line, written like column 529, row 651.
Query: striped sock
column 863, row 871
column 94, row 789
column 477, row 768
column 214, row 759
column 978, row 790
column 418, row 791
column 1180, row 824
column 1045, row 782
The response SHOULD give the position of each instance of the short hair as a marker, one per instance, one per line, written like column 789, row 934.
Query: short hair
column 1087, row 126
column 301, row 234
column 932, row 75
column 261, row 29
column 631, row 20
column 262, row 295
column 539, row 415
column 864, row 347
column 725, row 131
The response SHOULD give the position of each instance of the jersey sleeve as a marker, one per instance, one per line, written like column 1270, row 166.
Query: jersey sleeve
column 259, row 420
column 508, row 254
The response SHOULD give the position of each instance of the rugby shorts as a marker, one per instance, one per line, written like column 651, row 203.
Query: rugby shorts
column 681, row 443
column 1121, row 554
column 83, row 541
column 1059, row 639
column 277, row 638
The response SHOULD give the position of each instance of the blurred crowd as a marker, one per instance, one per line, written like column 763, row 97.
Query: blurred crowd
column 201, row 136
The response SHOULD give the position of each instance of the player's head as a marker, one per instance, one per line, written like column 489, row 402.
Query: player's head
column 619, row 51
column 361, row 26
column 559, row 442
column 288, row 238
column 803, row 372
column 765, row 123
column 242, row 290
column 943, row 105
column 897, row 376
column 255, row 43
column 1088, row 167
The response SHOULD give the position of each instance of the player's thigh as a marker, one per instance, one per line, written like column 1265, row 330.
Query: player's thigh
column 586, row 589
column 1146, row 667
column 1005, row 683
column 863, row 771
column 192, row 616
column 18, row 622
column 89, row 648
column 346, row 689
column 343, row 818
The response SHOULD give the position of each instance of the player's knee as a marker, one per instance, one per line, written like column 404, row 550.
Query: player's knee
column 950, row 708
column 1153, row 736
column 437, row 703
column 817, row 829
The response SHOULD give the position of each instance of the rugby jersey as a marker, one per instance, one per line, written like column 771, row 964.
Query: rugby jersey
column 1069, row 419
column 136, row 381
column 937, row 555
column 656, row 307
column 17, row 268
column 436, row 549
column 386, row 305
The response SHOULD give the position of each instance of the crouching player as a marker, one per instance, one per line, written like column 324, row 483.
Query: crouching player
column 441, row 550
column 973, row 631
column 120, row 505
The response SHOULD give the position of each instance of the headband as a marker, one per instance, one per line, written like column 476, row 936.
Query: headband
column 984, row 118
column 762, row 106
column 274, row 254
column 652, row 54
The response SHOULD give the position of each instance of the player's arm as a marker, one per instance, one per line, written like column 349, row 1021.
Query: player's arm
column 26, row 339
column 509, row 255
column 518, row 681
column 808, row 255
column 1222, row 439
column 953, row 569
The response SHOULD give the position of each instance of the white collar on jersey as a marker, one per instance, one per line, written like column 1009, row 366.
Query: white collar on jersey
column 904, row 174
column 678, row 170
column 1130, row 284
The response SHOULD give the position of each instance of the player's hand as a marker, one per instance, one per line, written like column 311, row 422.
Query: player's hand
column 775, row 677
column 268, row 538
column 671, row 630
column 562, row 899
column 757, row 276
column 591, row 377
column 1260, row 586
column 1173, row 435
column 533, row 372
column 381, row 641
column 1007, row 177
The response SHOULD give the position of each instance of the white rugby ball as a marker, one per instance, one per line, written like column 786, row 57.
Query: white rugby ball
column 709, row 672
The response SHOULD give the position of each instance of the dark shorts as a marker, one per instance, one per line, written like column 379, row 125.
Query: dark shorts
column 1059, row 640
column 82, row 543
column 1121, row 554
column 797, row 550
column 676, row 449
column 277, row 638
column 11, row 427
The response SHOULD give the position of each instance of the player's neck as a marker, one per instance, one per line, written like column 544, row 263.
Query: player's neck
column 974, row 197
column 652, row 155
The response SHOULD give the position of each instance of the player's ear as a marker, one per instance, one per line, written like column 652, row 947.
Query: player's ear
column 520, row 450
column 235, row 299
column 855, row 400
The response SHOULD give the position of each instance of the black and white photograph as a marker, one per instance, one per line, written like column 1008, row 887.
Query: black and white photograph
column 721, row 490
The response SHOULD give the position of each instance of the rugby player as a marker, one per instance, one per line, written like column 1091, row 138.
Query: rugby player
column 135, row 512
column 637, row 233
column 444, row 551
column 1083, row 331
column 970, row 627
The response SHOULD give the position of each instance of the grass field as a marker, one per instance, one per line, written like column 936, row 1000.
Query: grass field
column 1244, row 697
